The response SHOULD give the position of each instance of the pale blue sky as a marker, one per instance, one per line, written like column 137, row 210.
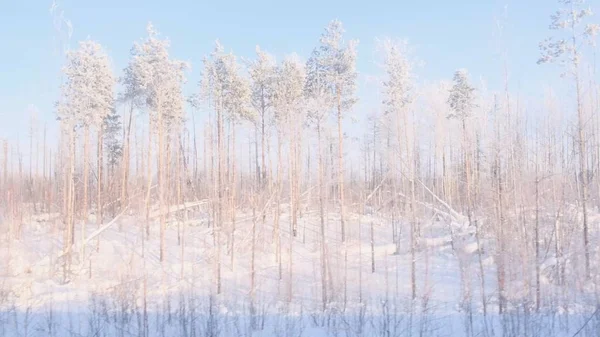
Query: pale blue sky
column 445, row 35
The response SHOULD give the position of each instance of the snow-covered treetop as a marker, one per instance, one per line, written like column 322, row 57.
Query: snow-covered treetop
column 570, row 19
column 223, row 86
column 87, row 95
column 158, row 78
column 289, row 86
column 330, row 70
column 319, row 98
column 338, row 60
column 262, row 75
column 112, row 132
column 398, row 85
column 132, row 87
column 462, row 96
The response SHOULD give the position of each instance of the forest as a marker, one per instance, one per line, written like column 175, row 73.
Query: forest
column 447, row 210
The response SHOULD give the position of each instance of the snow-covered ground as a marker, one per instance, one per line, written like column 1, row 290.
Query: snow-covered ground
column 105, row 293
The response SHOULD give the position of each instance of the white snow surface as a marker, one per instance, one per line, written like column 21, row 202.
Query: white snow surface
column 103, row 294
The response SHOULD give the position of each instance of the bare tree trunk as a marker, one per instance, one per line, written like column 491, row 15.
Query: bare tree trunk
column 99, row 204
column 341, row 163
column 44, row 178
column 360, row 268
column 209, row 158
column 582, row 169
column 324, row 298
column 169, row 186
column 30, row 180
column 252, row 266
column 256, row 162
column 499, row 249
column 149, row 177
column 86, row 181
column 537, row 233
column 290, row 267
column 262, row 142
column 292, row 174
column 277, row 233
column 181, row 201
column 372, row 249
column 65, row 158
column 5, row 165
column 413, row 223
column 160, row 171
column 68, row 240
column 232, row 193
column 217, row 230
column 298, row 174
column 291, row 183
column 474, row 193
column 126, row 158
column 341, row 186
column 196, row 152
